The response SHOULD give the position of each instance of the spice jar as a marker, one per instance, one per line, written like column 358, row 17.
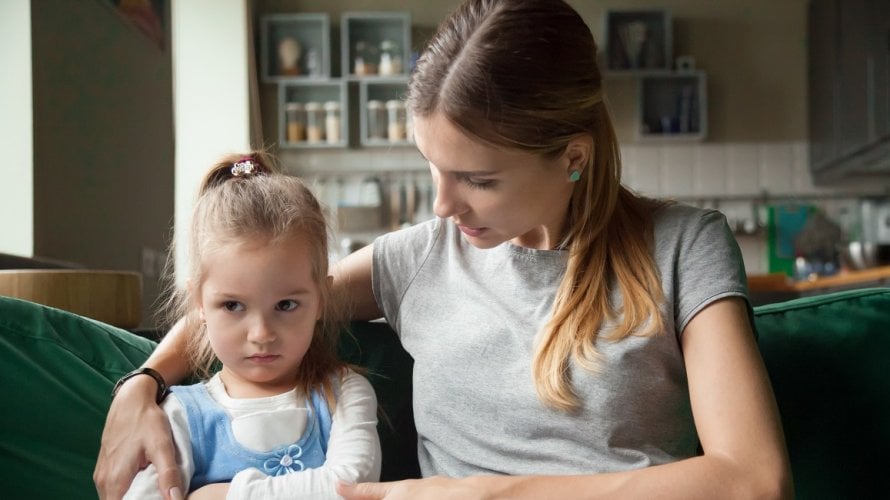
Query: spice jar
column 390, row 58
column 332, row 121
column 314, row 122
column 295, row 117
column 366, row 56
column 397, row 120
column 376, row 120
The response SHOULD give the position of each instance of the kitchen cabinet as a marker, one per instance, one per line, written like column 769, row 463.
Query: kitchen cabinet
column 318, row 109
column 849, row 100
column 638, row 41
column 673, row 106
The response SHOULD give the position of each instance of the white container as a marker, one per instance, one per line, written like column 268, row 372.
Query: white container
column 397, row 120
column 332, row 121
column 376, row 120
column 314, row 122
column 296, row 122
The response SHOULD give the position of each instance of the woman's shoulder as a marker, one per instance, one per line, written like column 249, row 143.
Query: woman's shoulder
column 671, row 216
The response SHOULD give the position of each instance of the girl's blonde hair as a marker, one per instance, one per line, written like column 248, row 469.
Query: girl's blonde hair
column 522, row 74
column 261, row 206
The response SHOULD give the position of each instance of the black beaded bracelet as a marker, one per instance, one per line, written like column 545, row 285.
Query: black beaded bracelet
column 163, row 390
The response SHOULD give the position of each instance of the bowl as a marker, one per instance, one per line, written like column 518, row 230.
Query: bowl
column 863, row 255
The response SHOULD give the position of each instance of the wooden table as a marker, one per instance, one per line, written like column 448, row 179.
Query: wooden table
column 113, row 297
column 765, row 288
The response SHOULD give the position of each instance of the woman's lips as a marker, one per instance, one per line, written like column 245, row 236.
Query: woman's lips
column 471, row 231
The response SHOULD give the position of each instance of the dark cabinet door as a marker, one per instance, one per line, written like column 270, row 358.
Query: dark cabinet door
column 823, row 82
column 880, row 68
column 849, row 88
column 855, row 78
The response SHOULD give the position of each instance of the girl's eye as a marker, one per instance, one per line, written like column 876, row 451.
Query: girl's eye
column 287, row 305
column 233, row 306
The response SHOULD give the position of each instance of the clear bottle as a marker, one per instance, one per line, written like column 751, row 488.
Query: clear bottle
column 390, row 58
column 366, row 59
column 314, row 122
column 296, row 122
column 376, row 120
column 332, row 122
column 397, row 120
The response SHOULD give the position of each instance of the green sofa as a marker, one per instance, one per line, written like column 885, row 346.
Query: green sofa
column 826, row 356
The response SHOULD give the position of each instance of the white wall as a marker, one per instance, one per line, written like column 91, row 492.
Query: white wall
column 211, row 95
column 16, row 136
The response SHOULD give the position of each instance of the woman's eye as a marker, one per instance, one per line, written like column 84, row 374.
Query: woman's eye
column 233, row 306
column 478, row 183
column 287, row 305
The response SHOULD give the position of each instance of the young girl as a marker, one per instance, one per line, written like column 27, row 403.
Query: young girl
column 258, row 300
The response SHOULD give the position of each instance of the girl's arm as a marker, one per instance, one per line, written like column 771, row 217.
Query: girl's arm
column 736, row 418
column 353, row 453
column 137, row 432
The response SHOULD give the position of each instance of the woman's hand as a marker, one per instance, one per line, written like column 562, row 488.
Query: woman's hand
column 137, row 432
column 438, row 488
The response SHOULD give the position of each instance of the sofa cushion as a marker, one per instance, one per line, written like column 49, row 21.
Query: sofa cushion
column 57, row 372
column 827, row 357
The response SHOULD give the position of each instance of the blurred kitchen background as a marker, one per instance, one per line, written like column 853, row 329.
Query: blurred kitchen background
column 113, row 109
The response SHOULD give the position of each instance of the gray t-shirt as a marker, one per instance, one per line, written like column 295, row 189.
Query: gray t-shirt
column 469, row 318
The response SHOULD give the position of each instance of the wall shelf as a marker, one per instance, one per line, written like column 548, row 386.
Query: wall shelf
column 673, row 107
column 308, row 94
column 382, row 91
column 375, row 44
column 638, row 41
column 311, row 32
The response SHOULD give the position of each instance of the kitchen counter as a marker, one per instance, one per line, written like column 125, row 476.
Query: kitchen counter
column 774, row 287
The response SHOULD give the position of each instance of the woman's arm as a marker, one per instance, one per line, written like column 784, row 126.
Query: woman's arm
column 736, row 418
column 137, row 431
column 352, row 280
column 145, row 484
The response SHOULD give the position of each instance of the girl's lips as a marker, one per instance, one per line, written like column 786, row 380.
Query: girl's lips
column 263, row 358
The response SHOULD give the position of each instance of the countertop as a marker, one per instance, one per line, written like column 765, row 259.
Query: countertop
column 779, row 282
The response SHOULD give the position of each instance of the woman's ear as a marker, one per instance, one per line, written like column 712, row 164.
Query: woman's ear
column 578, row 154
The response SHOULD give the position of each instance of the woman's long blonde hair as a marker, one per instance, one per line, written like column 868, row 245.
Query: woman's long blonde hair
column 522, row 74
column 267, row 207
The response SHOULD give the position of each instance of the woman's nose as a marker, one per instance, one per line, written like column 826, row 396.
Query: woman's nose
column 447, row 202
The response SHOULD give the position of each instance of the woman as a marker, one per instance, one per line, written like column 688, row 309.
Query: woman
column 602, row 338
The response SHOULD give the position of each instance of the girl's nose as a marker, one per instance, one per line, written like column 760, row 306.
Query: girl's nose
column 261, row 331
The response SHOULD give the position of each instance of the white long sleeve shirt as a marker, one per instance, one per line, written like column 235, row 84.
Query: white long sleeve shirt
column 353, row 453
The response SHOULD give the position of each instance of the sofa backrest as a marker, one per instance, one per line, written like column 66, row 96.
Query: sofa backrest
column 827, row 358
column 825, row 355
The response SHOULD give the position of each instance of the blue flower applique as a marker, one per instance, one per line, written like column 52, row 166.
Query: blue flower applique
column 285, row 463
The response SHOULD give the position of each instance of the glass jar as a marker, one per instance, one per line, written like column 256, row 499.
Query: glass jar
column 390, row 58
column 366, row 58
column 295, row 117
column 397, row 120
column 314, row 122
column 332, row 121
column 376, row 120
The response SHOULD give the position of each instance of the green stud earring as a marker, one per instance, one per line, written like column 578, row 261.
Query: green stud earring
column 575, row 175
